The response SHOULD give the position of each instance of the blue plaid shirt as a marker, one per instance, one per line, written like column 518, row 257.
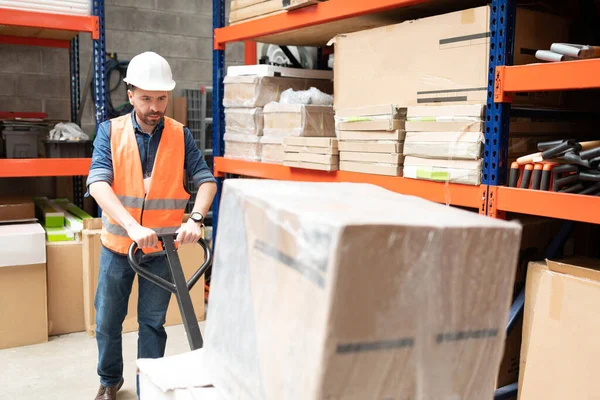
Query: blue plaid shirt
column 101, row 169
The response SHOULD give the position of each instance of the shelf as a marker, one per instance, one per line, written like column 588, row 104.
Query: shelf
column 316, row 25
column 459, row 195
column 44, row 29
column 32, row 167
column 567, row 75
column 549, row 204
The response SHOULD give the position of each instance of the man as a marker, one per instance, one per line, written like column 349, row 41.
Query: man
column 137, row 178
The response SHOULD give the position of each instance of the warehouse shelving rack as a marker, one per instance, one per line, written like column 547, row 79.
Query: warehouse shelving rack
column 492, row 198
column 59, row 31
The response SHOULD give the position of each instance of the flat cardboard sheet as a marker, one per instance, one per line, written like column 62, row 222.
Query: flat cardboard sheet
column 371, row 168
column 309, row 149
column 326, row 159
column 397, row 136
column 16, row 209
column 372, row 125
column 311, row 165
column 386, row 158
column 372, row 146
column 255, row 10
column 455, row 171
column 65, row 288
column 390, row 111
column 431, row 112
column 433, row 126
column 444, row 145
column 311, row 142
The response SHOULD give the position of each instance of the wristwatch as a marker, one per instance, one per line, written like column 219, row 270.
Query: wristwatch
column 197, row 217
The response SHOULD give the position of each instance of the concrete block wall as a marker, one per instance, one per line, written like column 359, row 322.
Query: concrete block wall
column 37, row 79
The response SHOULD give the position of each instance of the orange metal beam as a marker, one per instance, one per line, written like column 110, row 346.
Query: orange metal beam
column 21, row 168
column 29, row 41
column 567, row 75
column 250, row 56
column 61, row 22
column 460, row 195
column 549, row 204
column 331, row 10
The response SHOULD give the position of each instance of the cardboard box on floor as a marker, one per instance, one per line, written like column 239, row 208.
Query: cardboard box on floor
column 65, row 288
column 362, row 276
column 562, row 353
column 191, row 257
column 23, row 312
column 447, row 64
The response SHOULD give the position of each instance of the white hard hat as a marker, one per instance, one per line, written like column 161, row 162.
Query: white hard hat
column 149, row 71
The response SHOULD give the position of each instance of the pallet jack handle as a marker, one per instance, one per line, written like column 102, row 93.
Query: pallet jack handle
column 179, row 287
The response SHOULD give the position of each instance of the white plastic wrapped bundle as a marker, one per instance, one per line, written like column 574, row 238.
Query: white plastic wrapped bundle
column 246, row 121
column 68, row 7
column 349, row 291
column 453, row 171
column 242, row 147
column 272, row 149
column 444, row 145
column 311, row 96
column 298, row 120
column 257, row 91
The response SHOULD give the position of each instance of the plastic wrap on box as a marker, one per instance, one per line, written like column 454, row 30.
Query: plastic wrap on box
column 298, row 120
column 454, row 171
column 242, row 147
column 257, row 91
column 272, row 150
column 246, row 121
column 445, row 145
column 298, row 263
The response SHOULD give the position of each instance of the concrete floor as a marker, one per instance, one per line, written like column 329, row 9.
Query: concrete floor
column 65, row 367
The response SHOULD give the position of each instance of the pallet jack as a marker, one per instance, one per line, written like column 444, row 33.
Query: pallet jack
column 179, row 287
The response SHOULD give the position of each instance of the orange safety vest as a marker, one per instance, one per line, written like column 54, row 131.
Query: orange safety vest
column 162, row 208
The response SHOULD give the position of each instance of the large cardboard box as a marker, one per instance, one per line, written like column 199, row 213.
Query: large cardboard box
column 242, row 147
column 347, row 291
column 283, row 120
column 466, row 172
column 562, row 354
column 247, row 121
column 447, row 64
column 14, row 209
column 65, row 288
column 23, row 312
column 191, row 257
column 445, row 145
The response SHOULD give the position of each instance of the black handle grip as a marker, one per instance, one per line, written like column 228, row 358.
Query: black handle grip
column 590, row 176
column 135, row 260
column 568, row 180
column 576, row 188
column 592, row 190
column 575, row 159
column 526, row 178
column 561, row 169
column 546, row 177
column 543, row 146
column 537, row 179
column 513, row 179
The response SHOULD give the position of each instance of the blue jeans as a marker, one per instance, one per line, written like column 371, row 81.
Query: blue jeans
column 115, row 281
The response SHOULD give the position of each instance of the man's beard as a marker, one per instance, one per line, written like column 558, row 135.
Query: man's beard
column 152, row 122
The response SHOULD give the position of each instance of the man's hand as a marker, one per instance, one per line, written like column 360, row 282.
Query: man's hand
column 191, row 232
column 144, row 237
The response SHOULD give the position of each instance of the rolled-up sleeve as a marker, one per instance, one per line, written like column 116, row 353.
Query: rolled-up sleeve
column 101, row 169
column 196, row 168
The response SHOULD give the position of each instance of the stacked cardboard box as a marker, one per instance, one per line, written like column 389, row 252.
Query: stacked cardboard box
column 559, row 355
column 353, row 250
column 244, row 99
column 311, row 153
column 440, row 59
column 444, row 143
column 371, row 139
column 284, row 121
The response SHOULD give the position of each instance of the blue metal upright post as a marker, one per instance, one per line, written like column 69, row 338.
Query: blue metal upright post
column 502, row 33
column 75, row 100
column 218, row 112
column 100, row 100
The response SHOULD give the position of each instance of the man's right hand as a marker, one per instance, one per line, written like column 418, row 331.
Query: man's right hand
column 144, row 237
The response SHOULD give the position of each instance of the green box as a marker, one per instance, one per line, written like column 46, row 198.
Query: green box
column 63, row 234
column 72, row 208
column 49, row 214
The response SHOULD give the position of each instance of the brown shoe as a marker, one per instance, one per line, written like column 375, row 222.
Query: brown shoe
column 109, row 392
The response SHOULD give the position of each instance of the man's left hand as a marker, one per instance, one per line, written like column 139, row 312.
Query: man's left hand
column 191, row 232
